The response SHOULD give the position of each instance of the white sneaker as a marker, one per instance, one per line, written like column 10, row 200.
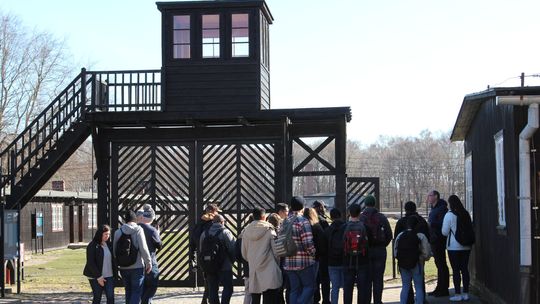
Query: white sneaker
column 465, row 297
column 456, row 298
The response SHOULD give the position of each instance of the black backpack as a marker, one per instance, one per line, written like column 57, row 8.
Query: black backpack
column 195, row 236
column 375, row 223
column 212, row 253
column 126, row 252
column 464, row 230
column 408, row 249
column 335, row 242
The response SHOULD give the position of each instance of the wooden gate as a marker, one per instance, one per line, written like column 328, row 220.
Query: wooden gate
column 177, row 182
column 237, row 176
column 160, row 176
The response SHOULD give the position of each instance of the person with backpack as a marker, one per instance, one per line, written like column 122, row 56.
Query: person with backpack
column 153, row 242
column 300, row 266
column 321, row 257
column 202, row 225
column 356, row 257
column 412, row 249
column 423, row 227
column 99, row 268
column 132, row 257
column 334, row 235
column 381, row 236
column 457, row 226
column 264, row 272
column 438, row 243
column 240, row 259
column 216, row 254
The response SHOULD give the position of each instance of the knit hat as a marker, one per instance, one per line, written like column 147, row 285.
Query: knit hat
column 148, row 212
column 369, row 201
column 297, row 203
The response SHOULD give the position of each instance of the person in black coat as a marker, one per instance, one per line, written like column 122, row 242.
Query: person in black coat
column 321, row 256
column 334, row 236
column 99, row 266
column 438, row 243
column 422, row 227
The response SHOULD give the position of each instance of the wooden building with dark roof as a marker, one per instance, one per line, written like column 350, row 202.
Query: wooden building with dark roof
column 502, row 180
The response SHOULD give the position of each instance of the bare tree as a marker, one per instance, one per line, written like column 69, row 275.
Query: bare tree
column 33, row 67
column 409, row 167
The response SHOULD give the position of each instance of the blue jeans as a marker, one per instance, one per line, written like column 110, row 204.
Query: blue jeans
column 377, row 264
column 97, row 290
column 213, row 280
column 150, row 285
column 360, row 277
column 133, row 282
column 407, row 275
column 336, row 278
column 302, row 284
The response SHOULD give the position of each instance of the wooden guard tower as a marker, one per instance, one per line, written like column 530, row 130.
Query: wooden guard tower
column 199, row 130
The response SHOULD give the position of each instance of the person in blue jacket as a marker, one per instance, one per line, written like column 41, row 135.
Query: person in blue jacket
column 438, row 242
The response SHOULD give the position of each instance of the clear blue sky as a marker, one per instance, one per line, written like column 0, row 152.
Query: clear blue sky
column 403, row 66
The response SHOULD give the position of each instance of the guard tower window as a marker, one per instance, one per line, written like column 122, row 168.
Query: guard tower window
column 240, row 35
column 182, row 37
column 210, row 32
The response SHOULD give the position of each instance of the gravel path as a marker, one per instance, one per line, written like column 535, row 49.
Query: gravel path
column 190, row 296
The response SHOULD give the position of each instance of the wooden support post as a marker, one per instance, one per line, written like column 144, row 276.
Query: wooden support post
column 341, row 168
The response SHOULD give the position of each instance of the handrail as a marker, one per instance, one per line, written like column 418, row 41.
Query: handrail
column 90, row 91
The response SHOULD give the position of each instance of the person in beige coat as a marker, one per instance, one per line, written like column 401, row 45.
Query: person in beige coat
column 264, row 273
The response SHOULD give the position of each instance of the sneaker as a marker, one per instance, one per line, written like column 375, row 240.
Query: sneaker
column 456, row 298
column 465, row 296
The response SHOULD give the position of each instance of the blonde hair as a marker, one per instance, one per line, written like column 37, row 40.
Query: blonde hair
column 311, row 215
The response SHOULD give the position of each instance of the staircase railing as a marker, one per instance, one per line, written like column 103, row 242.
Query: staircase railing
column 42, row 134
column 126, row 91
column 90, row 91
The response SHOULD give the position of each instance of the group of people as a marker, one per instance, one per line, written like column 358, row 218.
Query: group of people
column 132, row 251
column 297, row 255
column 329, row 255
column 417, row 240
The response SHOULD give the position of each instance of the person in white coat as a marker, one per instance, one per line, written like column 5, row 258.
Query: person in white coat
column 457, row 253
column 264, row 272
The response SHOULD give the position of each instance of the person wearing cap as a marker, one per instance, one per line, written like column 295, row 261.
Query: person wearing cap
column 421, row 227
column 301, row 268
column 381, row 235
column 153, row 241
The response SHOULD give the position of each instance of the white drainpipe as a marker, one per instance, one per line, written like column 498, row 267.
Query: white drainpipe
column 525, row 186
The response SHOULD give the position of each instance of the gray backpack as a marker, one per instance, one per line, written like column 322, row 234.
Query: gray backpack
column 284, row 244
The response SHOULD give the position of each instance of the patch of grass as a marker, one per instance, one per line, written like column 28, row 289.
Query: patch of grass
column 61, row 272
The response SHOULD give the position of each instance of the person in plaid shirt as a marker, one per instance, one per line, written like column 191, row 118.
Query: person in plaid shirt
column 301, row 268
